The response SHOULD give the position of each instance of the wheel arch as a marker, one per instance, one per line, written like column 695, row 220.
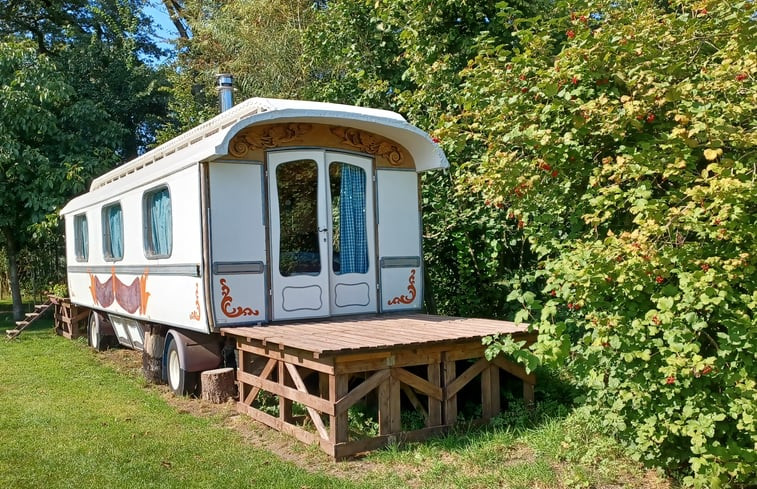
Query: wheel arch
column 197, row 351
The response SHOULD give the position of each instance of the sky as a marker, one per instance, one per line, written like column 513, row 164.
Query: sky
column 164, row 28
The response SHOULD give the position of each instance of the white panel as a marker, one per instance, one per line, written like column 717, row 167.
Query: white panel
column 176, row 300
column 309, row 298
column 236, row 212
column 401, row 289
column 346, row 295
column 239, row 298
column 399, row 219
column 399, row 236
column 238, row 236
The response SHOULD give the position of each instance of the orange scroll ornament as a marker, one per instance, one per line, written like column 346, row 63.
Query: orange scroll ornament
column 410, row 297
column 233, row 312
column 195, row 315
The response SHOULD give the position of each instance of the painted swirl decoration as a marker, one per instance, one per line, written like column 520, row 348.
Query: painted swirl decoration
column 195, row 315
column 233, row 312
column 410, row 297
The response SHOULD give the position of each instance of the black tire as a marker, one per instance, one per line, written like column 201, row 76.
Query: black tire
column 95, row 338
column 181, row 382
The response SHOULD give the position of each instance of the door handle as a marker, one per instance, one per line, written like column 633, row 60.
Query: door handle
column 323, row 230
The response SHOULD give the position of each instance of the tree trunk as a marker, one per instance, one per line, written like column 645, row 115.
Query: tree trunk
column 11, row 249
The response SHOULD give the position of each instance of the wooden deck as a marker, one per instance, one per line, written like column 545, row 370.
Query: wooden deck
column 383, row 365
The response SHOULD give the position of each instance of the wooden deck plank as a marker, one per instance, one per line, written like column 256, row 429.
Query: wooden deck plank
column 375, row 332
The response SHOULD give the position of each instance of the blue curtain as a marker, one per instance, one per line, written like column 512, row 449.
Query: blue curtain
column 116, row 227
column 352, row 229
column 160, row 223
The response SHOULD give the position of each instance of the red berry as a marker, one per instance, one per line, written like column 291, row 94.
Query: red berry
column 656, row 320
column 659, row 279
column 574, row 80
column 521, row 224
column 706, row 370
column 524, row 89
column 553, row 293
column 639, row 117
column 704, row 266
column 436, row 139
column 570, row 34
column 741, row 76
column 670, row 380
column 582, row 18
column 545, row 166
column 554, row 173
column 650, row 117
column 522, row 77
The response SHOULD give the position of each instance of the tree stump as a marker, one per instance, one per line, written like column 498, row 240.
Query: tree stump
column 152, row 356
column 218, row 385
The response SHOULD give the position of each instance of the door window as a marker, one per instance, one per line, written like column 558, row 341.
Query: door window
column 348, row 211
column 297, row 185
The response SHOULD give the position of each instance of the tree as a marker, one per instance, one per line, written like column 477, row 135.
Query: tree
column 50, row 144
column 259, row 42
column 408, row 56
column 621, row 136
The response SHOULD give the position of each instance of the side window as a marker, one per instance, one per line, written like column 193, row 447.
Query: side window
column 158, row 226
column 113, row 232
column 81, row 237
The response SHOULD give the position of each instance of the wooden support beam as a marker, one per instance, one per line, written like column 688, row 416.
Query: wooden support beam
column 514, row 369
column 491, row 404
column 315, row 416
column 285, row 403
column 288, row 392
column 434, row 404
column 470, row 373
column 420, row 384
column 338, row 422
column 389, row 414
column 359, row 392
column 417, row 404
column 528, row 393
column 253, row 394
column 450, row 401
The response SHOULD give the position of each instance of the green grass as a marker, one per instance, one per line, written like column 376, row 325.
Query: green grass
column 68, row 418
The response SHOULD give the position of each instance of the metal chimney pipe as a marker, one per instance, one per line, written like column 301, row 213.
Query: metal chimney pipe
column 225, row 87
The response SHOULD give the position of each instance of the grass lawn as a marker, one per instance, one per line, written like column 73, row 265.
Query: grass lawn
column 71, row 417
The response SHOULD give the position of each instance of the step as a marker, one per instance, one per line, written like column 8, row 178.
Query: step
column 12, row 332
column 31, row 314
column 22, row 324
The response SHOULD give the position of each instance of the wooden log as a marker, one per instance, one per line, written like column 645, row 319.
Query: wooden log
column 217, row 385
column 152, row 356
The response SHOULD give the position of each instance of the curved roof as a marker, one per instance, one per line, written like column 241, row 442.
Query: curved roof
column 210, row 140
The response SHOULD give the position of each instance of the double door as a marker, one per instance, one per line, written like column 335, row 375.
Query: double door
column 322, row 234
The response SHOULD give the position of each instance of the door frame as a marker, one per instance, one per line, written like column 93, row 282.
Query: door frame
column 326, row 278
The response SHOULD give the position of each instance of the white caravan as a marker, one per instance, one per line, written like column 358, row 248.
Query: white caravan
column 274, row 210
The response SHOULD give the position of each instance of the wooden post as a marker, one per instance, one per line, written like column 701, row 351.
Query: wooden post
column 490, row 398
column 152, row 355
column 285, row 405
column 528, row 393
column 434, row 405
column 389, row 414
column 217, row 385
column 338, row 425
column 450, row 402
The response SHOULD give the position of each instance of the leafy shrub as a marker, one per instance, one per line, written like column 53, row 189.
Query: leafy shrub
column 620, row 137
